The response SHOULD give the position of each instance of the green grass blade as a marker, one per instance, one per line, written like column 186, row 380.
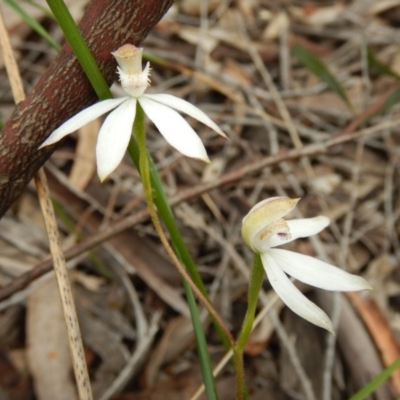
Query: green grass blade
column 33, row 23
column 317, row 67
column 75, row 39
column 44, row 10
column 392, row 100
column 202, row 349
column 163, row 207
column 161, row 201
column 374, row 384
column 378, row 66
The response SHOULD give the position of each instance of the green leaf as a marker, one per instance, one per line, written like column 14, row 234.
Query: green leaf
column 392, row 100
column 378, row 66
column 374, row 384
column 317, row 67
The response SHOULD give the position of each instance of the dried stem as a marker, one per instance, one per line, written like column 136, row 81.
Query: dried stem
column 60, row 267
column 64, row 286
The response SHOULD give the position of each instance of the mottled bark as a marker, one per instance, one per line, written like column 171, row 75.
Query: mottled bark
column 64, row 89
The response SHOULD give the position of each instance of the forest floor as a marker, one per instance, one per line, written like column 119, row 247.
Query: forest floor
column 307, row 94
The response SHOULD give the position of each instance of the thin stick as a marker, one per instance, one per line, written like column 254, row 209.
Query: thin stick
column 70, row 316
column 64, row 286
column 344, row 251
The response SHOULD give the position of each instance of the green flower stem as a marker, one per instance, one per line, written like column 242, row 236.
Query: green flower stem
column 139, row 129
column 140, row 132
column 164, row 209
column 256, row 279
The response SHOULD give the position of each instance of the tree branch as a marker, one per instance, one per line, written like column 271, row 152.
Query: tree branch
column 64, row 89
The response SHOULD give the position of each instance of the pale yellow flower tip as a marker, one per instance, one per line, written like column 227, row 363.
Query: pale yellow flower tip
column 103, row 178
column 265, row 213
column 203, row 159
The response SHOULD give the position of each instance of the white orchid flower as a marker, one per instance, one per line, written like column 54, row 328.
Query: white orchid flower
column 264, row 229
column 116, row 130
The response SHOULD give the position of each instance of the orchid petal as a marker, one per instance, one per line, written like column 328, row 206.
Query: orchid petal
column 187, row 108
column 82, row 118
column 292, row 296
column 114, row 137
column 317, row 273
column 300, row 228
column 176, row 131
